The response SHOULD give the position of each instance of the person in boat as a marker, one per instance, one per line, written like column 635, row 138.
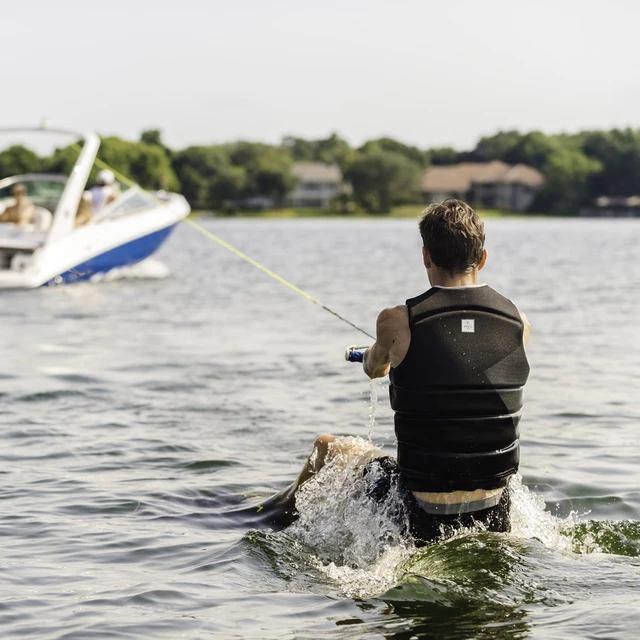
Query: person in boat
column 456, row 361
column 84, row 212
column 22, row 212
column 104, row 192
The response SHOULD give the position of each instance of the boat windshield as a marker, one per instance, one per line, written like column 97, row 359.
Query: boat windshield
column 41, row 190
column 131, row 201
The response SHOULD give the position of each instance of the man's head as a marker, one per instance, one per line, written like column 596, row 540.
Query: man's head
column 19, row 191
column 105, row 178
column 452, row 237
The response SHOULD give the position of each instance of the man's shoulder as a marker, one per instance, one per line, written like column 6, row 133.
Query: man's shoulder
column 393, row 315
column 393, row 321
column 392, row 325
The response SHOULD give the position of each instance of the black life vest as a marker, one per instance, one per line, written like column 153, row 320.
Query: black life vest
column 457, row 395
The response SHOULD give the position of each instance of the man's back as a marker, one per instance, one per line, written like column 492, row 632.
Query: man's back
column 457, row 394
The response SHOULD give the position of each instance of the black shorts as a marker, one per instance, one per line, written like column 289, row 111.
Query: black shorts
column 386, row 484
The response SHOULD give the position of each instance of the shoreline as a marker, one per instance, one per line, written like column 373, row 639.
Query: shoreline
column 404, row 211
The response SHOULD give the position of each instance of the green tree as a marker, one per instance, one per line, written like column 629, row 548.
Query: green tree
column 154, row 137
column 268, row 169
column 144, row 164
column 332, row 150
column 226, row 187
column 197, row 168
column 389, row 144
column 62, row 161
column 301, row 150
column 441, row 156
column 533, row 149
column 496, row 147
column 567, row 171
column 618, row 151
column 381, row 178
column 18, row 159
column 152, row 168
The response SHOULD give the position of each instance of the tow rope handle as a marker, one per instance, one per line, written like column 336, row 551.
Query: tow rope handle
column 354, row 354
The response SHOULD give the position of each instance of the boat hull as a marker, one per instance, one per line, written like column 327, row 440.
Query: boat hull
column 97, row 248
column 123, row 256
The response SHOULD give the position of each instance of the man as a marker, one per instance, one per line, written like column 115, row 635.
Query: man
column 22, row 212
column 457, row 366
column 104, row 192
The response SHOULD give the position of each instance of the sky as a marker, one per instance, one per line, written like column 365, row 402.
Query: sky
column 427, row 72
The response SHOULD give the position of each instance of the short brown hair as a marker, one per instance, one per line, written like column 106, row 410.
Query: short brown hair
column 453, row 234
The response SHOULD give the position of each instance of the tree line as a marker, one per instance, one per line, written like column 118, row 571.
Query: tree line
column 384, row 172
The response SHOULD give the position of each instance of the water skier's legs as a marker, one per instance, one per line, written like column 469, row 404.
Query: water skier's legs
column 282, row 505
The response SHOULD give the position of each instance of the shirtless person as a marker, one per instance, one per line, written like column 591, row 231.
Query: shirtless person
column 457, row 366
column 22, row 212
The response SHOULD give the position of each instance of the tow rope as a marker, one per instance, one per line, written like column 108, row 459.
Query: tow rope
column 237, row 252
column 274, row 275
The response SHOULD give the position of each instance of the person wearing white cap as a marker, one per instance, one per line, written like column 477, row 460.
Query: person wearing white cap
column 105, row 190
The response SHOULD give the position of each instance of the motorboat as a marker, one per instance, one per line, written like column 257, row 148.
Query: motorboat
column 54, row 247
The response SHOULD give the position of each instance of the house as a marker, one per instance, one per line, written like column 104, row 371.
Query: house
column 614, row 207
column 494, row 185
column 319, row 184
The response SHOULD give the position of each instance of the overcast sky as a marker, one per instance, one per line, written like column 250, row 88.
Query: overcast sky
column 428, row 72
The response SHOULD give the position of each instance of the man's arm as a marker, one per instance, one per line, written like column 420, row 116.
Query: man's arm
column 7, row 215
column 390, row 334
column 527, row 329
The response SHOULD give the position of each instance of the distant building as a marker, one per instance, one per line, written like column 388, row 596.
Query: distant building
column 256, row 203
column 319, row 184
column 614, row 207
column 494, row 185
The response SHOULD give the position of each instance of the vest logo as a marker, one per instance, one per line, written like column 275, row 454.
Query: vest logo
column 468, row 326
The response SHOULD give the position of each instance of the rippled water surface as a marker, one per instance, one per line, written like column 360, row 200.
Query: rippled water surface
column 140, row 415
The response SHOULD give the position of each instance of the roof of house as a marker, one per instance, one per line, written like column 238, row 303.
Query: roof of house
column 618, row 201
column 316, row 172
column 524, row 174
column 460, row 177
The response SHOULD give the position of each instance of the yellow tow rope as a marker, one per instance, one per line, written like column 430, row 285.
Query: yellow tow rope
column 237, row 252
column 274, row 275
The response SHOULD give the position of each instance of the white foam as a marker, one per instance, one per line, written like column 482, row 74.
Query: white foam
column 530, row 520
column 361, row 544
column 149, row 269
column 373, row 406
column 355, row 540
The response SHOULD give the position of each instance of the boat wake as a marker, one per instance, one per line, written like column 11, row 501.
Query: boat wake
column 361, row 547
column 149, row 269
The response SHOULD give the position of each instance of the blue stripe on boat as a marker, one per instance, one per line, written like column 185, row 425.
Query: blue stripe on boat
column 122, row 256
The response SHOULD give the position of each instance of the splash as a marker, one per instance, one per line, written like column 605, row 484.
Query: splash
column 361, row 544
column 149, row 269
column 530, row 520
column 373, row 406
column 571, row 534
column 354, row 540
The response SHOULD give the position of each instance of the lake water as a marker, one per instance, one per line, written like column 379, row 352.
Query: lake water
column 137, row 412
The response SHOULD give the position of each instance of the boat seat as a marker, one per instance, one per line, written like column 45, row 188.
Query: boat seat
column 26, row 238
